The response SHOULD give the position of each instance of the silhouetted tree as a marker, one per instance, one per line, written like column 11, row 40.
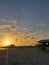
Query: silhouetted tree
column 12, row 46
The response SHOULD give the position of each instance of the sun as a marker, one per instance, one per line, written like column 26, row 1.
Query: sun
column 7, row 43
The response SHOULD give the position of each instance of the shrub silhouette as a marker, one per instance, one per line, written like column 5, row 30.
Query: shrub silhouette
column 12, row 46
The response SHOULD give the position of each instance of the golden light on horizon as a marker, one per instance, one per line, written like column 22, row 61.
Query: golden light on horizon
column 21, row 39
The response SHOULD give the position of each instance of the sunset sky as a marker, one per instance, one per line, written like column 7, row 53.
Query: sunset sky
column 24, row 15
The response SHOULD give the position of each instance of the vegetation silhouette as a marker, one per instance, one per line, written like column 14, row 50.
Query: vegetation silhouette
column 12, row 46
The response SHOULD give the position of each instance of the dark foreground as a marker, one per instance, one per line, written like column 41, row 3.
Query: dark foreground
column 24, row 56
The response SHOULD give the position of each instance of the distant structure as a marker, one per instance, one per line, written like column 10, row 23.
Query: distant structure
column 44, row 43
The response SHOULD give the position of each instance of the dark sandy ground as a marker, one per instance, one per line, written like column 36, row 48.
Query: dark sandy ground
column 24, row 56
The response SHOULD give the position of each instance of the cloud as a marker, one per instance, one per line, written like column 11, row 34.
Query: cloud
column 2, row 20
column 25, row 28
column 3, row 26
column 43, row 25
column 14, row 24
column 9, row 25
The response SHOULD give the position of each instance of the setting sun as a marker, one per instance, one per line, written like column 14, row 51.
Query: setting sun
column 7, row 42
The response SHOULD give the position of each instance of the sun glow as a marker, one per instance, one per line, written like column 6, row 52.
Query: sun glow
column 7, row 43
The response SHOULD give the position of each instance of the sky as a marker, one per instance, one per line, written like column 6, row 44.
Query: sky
column 30, row 15
column 33, row 14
